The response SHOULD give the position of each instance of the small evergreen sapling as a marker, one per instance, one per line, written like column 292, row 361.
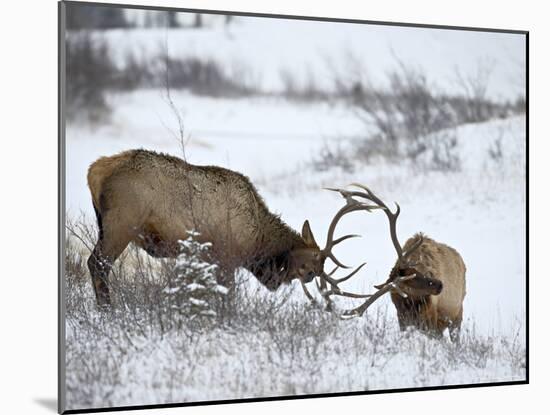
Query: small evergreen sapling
column 194, row 289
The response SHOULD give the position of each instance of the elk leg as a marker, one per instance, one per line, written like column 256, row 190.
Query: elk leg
column 454, row 328
column 113, row 239
column 100, row 267
column 403, row 322
column 430, row 322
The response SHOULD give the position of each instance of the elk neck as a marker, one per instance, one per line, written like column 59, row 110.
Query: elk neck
column 270, row 262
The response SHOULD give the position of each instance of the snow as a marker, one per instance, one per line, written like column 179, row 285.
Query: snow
column 480, row 211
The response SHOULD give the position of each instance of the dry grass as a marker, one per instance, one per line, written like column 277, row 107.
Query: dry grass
column 260, row 343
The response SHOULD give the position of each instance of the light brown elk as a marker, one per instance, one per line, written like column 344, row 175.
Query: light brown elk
column 154, row 199
column 427, row 283
column 430, row 308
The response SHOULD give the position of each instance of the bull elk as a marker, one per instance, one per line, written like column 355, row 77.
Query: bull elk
column 430, row 306
column 153, row 199
column 427, row 283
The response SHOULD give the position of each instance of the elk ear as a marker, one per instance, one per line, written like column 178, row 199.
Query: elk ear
column 308, row 235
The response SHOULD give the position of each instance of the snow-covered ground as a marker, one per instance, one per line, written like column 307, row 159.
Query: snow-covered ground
column 480, row 210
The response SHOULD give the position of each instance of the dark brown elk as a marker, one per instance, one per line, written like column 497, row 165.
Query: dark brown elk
column 154, row 199
column 427, row 283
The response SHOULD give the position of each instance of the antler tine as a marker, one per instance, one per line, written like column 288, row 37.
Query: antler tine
column 306, row 292
column 337, row 291
column 343, row 238
column 358, row 311
column 331, row 273
column 335, row 281
column 382, row 289
column 392, row 216
column 325, row 279
column 351, row 274
column 351, row 205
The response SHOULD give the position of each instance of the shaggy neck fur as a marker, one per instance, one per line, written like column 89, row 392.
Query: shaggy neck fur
column 275, row 242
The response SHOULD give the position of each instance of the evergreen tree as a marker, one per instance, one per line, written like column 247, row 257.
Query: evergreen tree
column 194, row 289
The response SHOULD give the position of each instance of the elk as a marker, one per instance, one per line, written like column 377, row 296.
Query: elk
column 154, row 199
column 434, row 297
column 427, row 283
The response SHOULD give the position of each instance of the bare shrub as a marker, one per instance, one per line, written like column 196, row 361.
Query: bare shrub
column 407, row 114
column 136, row 72
column 441, row 152
column 495, row 150
column 204, row 76
column 476, row 107
column 375, row 147
column 307, row 90
column 330, row 157
column 90, row 74
column 520, row 105
column 410, row 119
column 75, row 261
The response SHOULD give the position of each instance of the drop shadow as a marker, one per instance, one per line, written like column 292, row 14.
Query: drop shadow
column 48, row 403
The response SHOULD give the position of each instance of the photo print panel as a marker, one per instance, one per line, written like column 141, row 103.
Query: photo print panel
column 259, row 207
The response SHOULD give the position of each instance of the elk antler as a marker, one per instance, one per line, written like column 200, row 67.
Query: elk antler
column 352, row 205
column 392, row 218
column 382, row 289
column 390, row 285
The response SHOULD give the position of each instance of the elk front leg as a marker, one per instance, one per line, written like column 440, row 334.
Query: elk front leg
column 404, row 321
column 454, row 328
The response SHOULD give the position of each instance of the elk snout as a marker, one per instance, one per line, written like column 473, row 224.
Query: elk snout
column 439, row 287
column 309, row 277
column 306, row 275
column 436, row 286
column 425, row 286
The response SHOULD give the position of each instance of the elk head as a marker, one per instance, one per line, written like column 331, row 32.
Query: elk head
column 303, row 262
column 306, row 263
column 414, row 283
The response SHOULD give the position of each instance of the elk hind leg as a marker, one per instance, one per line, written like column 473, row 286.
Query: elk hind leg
column 114, row 236
column 99, row 267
